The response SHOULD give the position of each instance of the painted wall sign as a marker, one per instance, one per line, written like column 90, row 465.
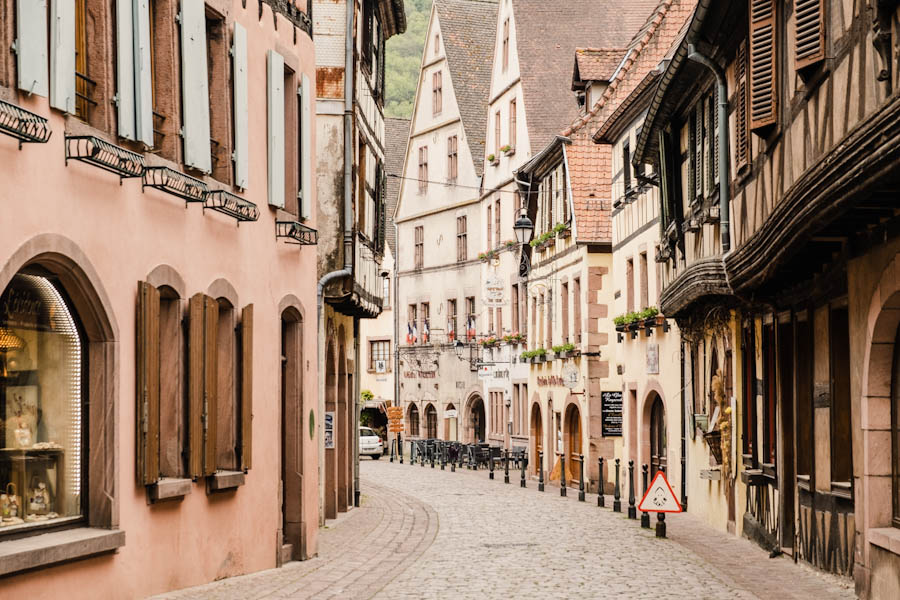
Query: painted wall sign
column 653, row 359
column 419, row 374
column 501, row 374
column 571, row 376
column 493, row 291
column 450, row 414
column 550, row 380
column 329, row 430
column 611, row 410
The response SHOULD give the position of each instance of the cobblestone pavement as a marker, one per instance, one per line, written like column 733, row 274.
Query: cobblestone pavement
column 424, row 533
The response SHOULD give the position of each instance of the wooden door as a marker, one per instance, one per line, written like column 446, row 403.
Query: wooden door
column 657, row 437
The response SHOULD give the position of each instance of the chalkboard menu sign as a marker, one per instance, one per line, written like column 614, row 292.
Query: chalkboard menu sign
column 611, row 407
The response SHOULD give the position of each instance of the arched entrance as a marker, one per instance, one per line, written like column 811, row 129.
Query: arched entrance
column 292, row 433
column 657, row 436
column 450, row 423
column 342, row 429
column 430, row 422
column 572, row 442
column 475, row 421
column 537, row 437
column 412, row 420
column 330, row 451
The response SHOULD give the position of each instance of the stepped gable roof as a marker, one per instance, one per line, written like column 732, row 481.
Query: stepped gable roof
column 595, row 64
column 468, row 28
column 547, row 35
column 396, row 134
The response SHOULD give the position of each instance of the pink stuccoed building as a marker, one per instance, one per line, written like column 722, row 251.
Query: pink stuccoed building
column 158, row 408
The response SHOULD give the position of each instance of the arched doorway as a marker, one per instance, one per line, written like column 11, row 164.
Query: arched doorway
column 475, row 421
column 657, row 436
column 450, row 423
column 430, row 422
column 537, row 437
column 292, row 433
column 330, row 451
column 412, row 421
column 572, row 442
column 342, row 429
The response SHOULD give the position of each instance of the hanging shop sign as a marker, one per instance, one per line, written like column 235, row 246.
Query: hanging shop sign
column 450, row 414
column 653, row 359
column 493, row 291
column 570, row 376
column 611, row 411
column 329, row 430
column 484, row 372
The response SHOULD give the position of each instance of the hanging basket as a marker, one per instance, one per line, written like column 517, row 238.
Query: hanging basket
column 714, row 441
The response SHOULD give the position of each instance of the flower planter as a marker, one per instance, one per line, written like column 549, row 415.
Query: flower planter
column 621, row 327
column 562, row 354
column 564, row 233
column 713, row 439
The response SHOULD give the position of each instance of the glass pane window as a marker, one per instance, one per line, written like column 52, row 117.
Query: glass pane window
column 41, row 360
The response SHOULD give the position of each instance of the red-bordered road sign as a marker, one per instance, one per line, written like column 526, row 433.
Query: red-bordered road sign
column 660, row 497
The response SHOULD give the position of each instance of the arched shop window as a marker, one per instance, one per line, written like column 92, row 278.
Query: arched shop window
column 42, row 418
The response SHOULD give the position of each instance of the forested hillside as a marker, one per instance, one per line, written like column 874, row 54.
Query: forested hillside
column 404, row 56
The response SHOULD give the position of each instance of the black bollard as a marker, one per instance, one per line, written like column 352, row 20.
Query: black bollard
column 632, row 511
column 581, row 482
column 423, row 455
column 443, row 456
column 522, row 480
column 645, row 516
column 540, row 470
column 490, row 464
column 601, row 498
column 660, row 524
column 400, row 447
column 562, row 475
column 433, row 452
column 412, row 454
column 393, row 449
column 617, row 504
column 506, row 466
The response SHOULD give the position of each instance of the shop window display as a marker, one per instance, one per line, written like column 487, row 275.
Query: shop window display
column 41, row 359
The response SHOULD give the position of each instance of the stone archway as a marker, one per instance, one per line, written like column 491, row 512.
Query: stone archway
column 654, row 438
column 536, row 437
column 412, row 420
column 430, row 421
column 342, row 428
column 572, row 441
column 450, row 424
column 292, row 454
column 475, row 426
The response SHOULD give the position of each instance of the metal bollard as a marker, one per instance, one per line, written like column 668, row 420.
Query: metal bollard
column 540, row 470
column 660, row 524
column 562, row 475
column 506, row 466
column 522, row 480
column 617, row 504
column 412, row 454
column 400, row 447
column 443, row 456
column 490, row 465
column 423, row 456
column 393, row 449
column 632, row 512
column 601, row 498
column 433, row 452
column 581, row 483
column 645, row 516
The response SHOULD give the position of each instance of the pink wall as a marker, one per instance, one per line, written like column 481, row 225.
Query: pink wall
column 125, row 234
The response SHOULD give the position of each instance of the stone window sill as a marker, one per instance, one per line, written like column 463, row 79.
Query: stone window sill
column 225, row 480
column 887, row 538
column 169, row 488
column 60, row 546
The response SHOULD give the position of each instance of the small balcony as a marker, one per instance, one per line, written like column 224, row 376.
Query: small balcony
column 360, row 296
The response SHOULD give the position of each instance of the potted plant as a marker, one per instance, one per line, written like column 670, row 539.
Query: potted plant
column 506, row 149
column 541, row 354
column 619, row 322
column 510, row 244
column 562, row 230
column 365, row 396
column 493, row 159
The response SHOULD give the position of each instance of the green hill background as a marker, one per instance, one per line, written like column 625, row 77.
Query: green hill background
column 404, row 56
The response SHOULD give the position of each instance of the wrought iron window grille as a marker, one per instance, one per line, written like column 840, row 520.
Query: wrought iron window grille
column 24, row 125
column 100, row 153
column 229, row 204
column 298, row 232
column 173, row 182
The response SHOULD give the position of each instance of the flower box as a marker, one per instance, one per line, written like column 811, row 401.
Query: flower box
column 713, row 439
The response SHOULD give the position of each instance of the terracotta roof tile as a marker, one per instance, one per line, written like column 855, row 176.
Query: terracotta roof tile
column 596, row 64
column 396, row 133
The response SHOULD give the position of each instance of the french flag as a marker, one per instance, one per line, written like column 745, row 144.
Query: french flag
column 470, row 328
column 410, row 339
column 426, row 332
column 450, row 329
column 415, row 334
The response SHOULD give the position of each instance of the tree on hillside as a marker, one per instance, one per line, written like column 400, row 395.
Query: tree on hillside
column 404, row 57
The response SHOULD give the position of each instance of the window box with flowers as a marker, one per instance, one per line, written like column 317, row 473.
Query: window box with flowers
column 487, row 256
column 508, row 150
column 493, row 160
column 490, row 342
column 534, row 356
column 563, row 230
column 515, row 338
column 564, row 351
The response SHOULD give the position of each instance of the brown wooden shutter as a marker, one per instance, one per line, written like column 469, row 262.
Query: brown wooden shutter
column 195, row 386
column 699, row 138
column 741, row 116
column 210, row 382
column 147, row 451
column 763, row 64
column 809, row 27
column 247, row 387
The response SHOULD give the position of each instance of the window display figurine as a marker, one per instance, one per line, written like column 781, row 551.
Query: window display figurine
column 23, row 435
column 9, row 504
column 39, row 498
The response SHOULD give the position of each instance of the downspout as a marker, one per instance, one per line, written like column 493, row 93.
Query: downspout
column 395, row 308
column 724, row 177
column 347, row 271
column 684, row 497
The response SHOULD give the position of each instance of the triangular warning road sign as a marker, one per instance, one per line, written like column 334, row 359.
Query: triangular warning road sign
column 659, row 497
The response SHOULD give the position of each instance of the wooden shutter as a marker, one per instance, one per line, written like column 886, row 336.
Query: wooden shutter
column 714, row 136
column 763, row 64
column 306, row 152
column 210, row 383
column 143, row 77
column 699, row 139
column 275, row 106
column 147, row 376
column 195, row 86
column 246, row 387
column 125, row 68
column 241, row 114
column 809, row 27
column 741, row 115
column 62, row 55
column 195, row 385
column 31, row 46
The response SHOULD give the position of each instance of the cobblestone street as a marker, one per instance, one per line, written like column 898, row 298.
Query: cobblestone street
column 424, row 533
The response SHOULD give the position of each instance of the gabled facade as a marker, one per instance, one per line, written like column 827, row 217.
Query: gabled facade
column 350, row 39
column 795, row 282
column 440, row 297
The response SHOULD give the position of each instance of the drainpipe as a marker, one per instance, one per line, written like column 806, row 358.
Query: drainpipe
column 724, row 177
column 684, row 498
column 395, row 306
column 347, row 271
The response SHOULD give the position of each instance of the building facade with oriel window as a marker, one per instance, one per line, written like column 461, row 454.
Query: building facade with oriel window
column 440, row 297
column 152, row 375
column 785, row 274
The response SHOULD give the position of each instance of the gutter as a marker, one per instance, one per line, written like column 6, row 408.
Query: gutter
column 347, row 271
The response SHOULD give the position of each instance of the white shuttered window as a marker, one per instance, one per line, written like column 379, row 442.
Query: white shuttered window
column 125, row 68
column 143, row 78
column 195, row 86
column 305, row 147
column 62, row 55
column 241, row 158
column 31, row 46
column 275, row 108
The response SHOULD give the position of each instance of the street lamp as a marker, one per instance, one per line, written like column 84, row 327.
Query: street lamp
column 459, row 347
column 524, row 228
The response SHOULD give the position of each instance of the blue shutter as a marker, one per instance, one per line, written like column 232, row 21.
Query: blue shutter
column 125, row 68
column 143, row 79
column 195, row 86
column 275, row 107
column 62, row 55
column 31, row 46
column 241, row 115
column 306, row 155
